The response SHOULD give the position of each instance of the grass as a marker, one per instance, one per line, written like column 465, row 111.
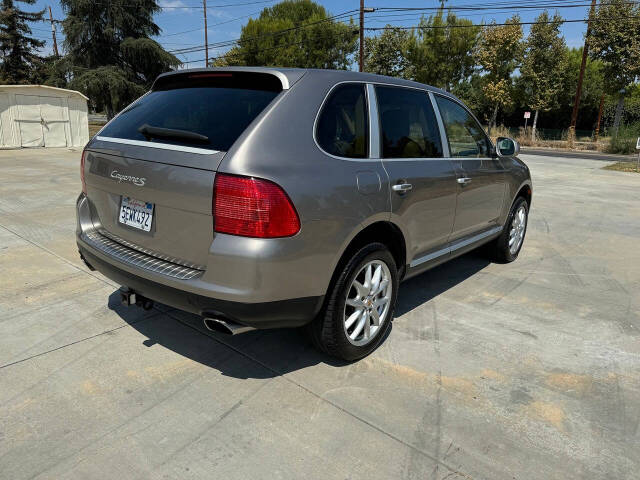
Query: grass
column 625, row 141
column 94, row 128
column 623, row 167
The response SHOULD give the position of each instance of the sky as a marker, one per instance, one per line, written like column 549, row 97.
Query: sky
column 226, row 17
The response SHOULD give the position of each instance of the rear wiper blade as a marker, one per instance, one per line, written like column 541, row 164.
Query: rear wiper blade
column 158, row 132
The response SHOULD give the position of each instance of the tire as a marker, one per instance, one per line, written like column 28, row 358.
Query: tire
column 334, row 330
column 499, row 249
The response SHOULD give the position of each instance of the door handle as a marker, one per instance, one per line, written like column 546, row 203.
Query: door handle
column 464, row 180
column 402, row 187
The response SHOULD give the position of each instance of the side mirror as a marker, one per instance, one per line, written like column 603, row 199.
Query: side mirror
column 506, row 147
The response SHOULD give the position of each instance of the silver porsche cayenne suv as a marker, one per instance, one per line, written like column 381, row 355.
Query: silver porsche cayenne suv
column 262, row 198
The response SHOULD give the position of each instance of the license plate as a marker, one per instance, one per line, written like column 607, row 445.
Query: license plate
column 136, row 213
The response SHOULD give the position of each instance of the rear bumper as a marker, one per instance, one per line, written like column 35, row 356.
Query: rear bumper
column 283, row 313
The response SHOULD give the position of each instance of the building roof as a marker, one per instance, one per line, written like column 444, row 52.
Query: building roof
column 61, row 90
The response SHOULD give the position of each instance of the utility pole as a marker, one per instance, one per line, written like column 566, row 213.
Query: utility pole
column 585, row 53
column 363, row 10
column 53, row 33
column 361, row 63
column 206, row 39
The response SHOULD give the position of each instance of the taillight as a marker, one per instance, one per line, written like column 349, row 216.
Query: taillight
column 84, row 185
column 252, row 207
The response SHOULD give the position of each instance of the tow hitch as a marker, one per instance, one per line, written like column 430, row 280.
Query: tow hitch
column 128, row 297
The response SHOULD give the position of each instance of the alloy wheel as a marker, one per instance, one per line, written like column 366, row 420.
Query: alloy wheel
column 518, row 227
column 368, row 302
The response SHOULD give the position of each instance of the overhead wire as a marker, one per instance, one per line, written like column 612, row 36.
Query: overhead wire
column 232, row 42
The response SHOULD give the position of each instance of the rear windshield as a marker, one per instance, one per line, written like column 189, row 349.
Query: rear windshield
column 219, row 106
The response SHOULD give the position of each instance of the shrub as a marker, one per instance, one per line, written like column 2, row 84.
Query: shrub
column 625, row 141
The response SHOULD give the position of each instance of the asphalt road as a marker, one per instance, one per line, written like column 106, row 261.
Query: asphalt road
column 529, row 370
column 585, row 155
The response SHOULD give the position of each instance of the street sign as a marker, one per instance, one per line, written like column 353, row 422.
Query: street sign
column 527, row 114
column 638, row 144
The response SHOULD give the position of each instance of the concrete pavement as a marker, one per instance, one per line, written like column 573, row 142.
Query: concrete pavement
column 528, row 370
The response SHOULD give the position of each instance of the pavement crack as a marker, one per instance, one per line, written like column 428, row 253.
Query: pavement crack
column 326, row 400
column 59, row 257
column 128, row 324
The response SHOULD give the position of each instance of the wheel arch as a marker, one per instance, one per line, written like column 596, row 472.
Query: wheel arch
column 382, row 231
column 525, row 191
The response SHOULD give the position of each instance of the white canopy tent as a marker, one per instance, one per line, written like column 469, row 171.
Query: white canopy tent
column 42, row 116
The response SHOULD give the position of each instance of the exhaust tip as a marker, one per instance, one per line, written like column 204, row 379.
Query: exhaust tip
column 225, row 326
column 216, row 325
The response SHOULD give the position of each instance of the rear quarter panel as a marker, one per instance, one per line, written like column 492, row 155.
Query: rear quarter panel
column 335, row 197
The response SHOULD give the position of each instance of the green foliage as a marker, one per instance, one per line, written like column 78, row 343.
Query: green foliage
column 111, row 57
column 471, row 92
column 625, row 141
column 386, row 54
column 51, row 71
column 615, row 40
column 274, row 39
column 499, row 52
column 544, row 60
column 631, row 112
column 441, row 50
column 592, row 89
column 17, row 47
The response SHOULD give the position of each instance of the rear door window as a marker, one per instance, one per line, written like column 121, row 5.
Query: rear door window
column 408, row 124
column 343, row 126
column 218, row 106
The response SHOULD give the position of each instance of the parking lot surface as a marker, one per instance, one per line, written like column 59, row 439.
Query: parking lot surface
column 529, row 370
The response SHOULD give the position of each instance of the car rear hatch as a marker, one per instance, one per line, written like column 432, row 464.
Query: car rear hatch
column 149, row 174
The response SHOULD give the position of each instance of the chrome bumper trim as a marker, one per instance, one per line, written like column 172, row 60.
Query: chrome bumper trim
column 135, row 257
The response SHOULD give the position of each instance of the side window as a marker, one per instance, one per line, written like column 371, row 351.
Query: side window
column 466, row 137
column 408, row 124
column 343, row 126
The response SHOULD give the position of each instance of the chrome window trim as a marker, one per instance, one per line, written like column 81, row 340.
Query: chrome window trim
column 163, row 146
column 444, row 140
column 455, row 246
column 374, row 123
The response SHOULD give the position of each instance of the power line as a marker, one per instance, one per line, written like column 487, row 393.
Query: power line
column 217, row 6
column 275, row 47
column 228, row 43
column 233, row 42
column 420, row 11
column 476, row 25
column 211, row 26
column 502, row 6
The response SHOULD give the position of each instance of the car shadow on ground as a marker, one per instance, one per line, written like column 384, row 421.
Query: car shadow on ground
column 270, row 353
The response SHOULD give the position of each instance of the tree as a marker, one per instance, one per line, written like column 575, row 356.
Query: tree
column 113, row 59
column 386, row 54
column 441, row 50
column 544, row 60
column 499, row 52
column 615, row 40
column 592, row 88
column 17, row 47
column 294, row 33
column 51, row 70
